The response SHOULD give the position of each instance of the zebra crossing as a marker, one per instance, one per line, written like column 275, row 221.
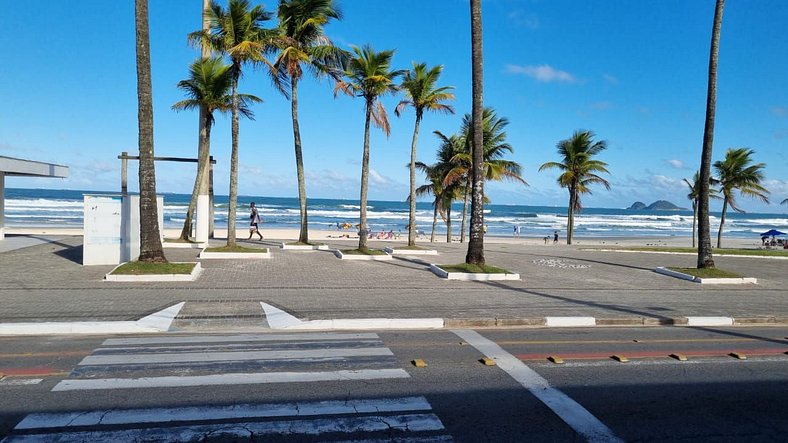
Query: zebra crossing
column 238, row 359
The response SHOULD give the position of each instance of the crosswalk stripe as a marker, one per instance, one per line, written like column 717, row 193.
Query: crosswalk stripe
column 228, row 379
column 346, row 425
column 237, row 338
column 235, row 346
column 231, row 356
column 242, row 411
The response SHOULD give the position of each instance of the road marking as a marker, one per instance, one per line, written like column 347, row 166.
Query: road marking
column 242, row 411
column 45, row 354
column 121, row 359
column 279, row 319
column 569, row 322
column 571, row 412
column 228, row 379
column 236, row 338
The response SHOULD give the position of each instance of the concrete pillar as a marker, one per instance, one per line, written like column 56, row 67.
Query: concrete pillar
column 2, row 205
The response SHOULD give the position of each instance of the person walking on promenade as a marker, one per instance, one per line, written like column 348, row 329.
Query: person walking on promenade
column 253, row 224
column 555, row 237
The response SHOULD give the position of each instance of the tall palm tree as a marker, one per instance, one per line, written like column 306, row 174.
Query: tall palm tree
column 705, row 258
column 369, row 75
column 238, row 33
column 455, row 179
column 784, row 202
column 150, row 237
column 208, row 89
column 736, row 172
column 496, row 168
column 421, row 93
column 579, row 170
column 475, row 253
column 434, row 188
column 693, row 195
column 302, row 43
column 445, row 192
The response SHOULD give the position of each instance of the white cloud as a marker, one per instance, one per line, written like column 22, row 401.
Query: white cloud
column 521, row 18
column 678, row 164
column 377, row 179
column 542, row 73
column 610, row 79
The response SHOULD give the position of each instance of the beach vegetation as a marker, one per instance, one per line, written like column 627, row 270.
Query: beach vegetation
column 705, row 257
column 208, row 90
column 302, row 44
column 362, row 251
column 422, row 94
column 369, row 75
column 579, row 170
column 707, row 272
column 736, row 173
column 475, row 254
column 693, row 195
column 237, row 248
column 154, row 268
column 238, row 33
column 473, row 269
column 151, row 249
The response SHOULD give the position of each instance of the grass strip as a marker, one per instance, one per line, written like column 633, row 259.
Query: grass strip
column 722, row 251
column 474, row 269
column 362, row 252
column 144, row 268
column 707, row 272
column 237, row 249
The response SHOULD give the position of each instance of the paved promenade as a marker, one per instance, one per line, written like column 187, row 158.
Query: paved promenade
column 46, row 282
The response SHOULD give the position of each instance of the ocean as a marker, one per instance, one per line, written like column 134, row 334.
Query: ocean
column 63, row 208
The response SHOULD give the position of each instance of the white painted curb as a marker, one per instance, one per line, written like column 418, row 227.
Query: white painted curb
column 279, row 319
column 411, row 251
column 668, row 272
column 714, row 281
column 285, row 246
column 234, row 255
column 154, row 277
column 342, row 256
column 157, row 322
column 709, row 321
column 570, row 322
column 470, row 276
column 183, row 245
column 771, row 257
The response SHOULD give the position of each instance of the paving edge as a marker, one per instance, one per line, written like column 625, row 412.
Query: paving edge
column 712, row 281
column 395, row 251
column 583, row 321
column 338, row 253
column 130, row 278
column 204, row 254
column 469, row 276
column 285, row 246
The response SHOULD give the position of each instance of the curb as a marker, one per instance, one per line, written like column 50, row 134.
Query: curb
column 467, row 276
column 395, row 251
column 706, row 280
column 564, row 322
column 133, row 278
column 207, row 255
column 359, row 257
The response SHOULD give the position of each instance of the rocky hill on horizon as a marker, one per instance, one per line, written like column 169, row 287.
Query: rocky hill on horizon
column 659, row 205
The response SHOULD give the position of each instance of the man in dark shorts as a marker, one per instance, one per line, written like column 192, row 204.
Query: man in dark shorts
column 255, row 219
column 555, row 237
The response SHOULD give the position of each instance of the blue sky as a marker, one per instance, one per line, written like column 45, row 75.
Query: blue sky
column 634, row 72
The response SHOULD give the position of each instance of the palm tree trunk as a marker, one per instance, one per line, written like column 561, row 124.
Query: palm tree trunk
column 475, row 253
column 150, row 237
column 570, row 219
column 722, row 221
column 465, row 212
column 705, row 258
column 303, row 235
column 412, row 195
column 434, row 221
column 448, row 224
column 694, row 221
column 362, row 233
column 233, row 203
column 202, row 170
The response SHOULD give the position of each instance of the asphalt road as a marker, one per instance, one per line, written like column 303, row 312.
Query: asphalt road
column 364, row 387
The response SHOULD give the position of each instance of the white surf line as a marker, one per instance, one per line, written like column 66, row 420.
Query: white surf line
column 228, row 379
column 122, row 359
column 241, row 411
column 20, row 381
column 279, row 319
column 237, row 338
column 157, row 322
column 409, row 423
column 571, row 412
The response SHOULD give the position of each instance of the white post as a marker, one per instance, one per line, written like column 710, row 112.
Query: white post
column 2, row 205
column 203, row 216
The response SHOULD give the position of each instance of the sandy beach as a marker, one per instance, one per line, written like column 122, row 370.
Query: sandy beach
column 344, row 235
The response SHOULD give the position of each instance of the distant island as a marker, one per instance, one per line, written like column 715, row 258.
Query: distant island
column 659, row 205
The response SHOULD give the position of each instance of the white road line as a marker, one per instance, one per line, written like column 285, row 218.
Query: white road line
column 571, row 412
column 242, row 411
column 346, row 425
column 123, row 359
column 235, row 338
column 227, row 379
column 20, row 381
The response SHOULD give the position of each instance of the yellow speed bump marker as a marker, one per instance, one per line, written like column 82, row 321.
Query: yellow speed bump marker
column 679, row 357
column 419, row 363
column 556, row 359
column 620, row 358
column 488, row 361
column 738, row 355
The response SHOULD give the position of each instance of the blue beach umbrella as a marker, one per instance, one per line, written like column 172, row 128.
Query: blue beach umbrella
column 772, row 233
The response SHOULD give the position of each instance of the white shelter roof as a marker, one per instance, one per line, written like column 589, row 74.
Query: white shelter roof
column 28, row 168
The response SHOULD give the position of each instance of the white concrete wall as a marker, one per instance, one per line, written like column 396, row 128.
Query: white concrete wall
column 2, row 205
column 112, row 229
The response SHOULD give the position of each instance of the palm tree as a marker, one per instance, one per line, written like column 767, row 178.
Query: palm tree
column 150, row 237
column 693, row 195
column 238, row 33
column 445, row 191
column 434, row 188
column 784, row 202
column 421, row 92
column 736, row 173
column 208, row 89
column 475, row 253
column 705, row 258
column 495, row 147
column 302, row 43
column 579, row 170
column 369, row 75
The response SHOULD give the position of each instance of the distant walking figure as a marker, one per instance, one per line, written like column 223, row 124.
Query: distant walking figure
column 516, row 231
column 255, row 219
column 555, row 237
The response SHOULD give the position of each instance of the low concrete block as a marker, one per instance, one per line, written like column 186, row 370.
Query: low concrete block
column 154, row 277
column 342, row 256
column 471, row 276
column 285, row 246
column 395, row 251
